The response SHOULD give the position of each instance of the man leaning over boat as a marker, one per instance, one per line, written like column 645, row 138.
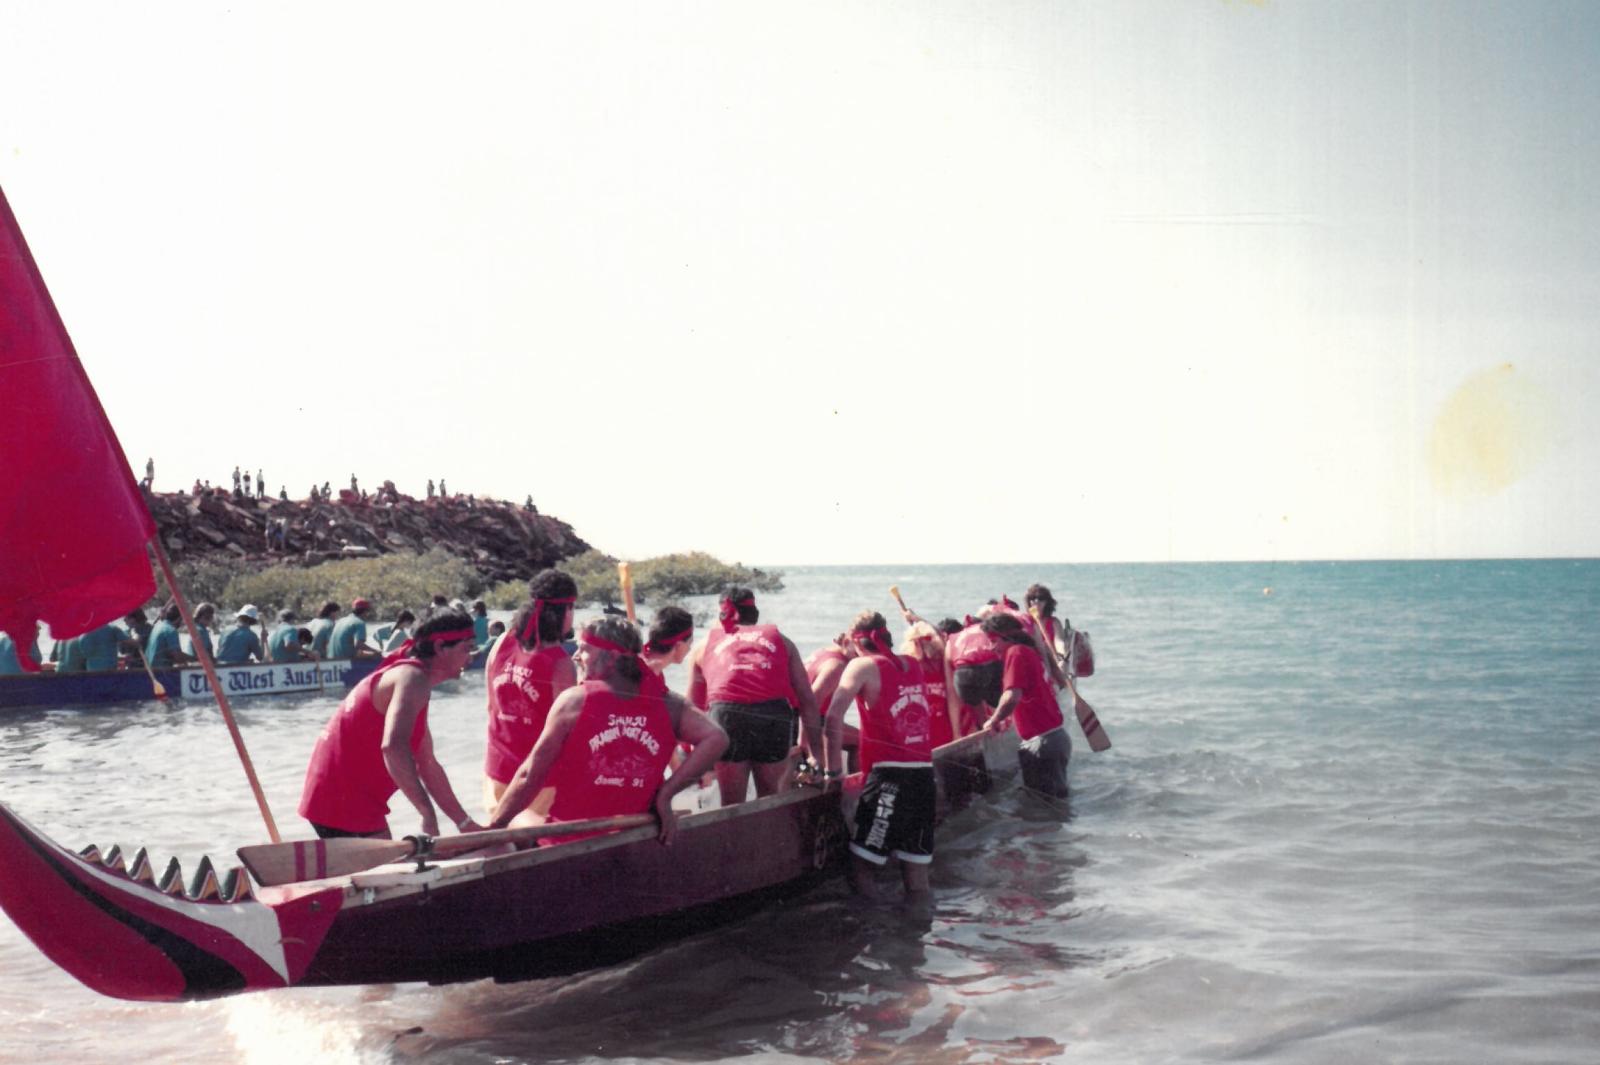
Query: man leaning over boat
column 378, row 742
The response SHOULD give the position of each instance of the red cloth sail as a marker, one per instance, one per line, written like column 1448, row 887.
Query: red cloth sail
column 73, row 526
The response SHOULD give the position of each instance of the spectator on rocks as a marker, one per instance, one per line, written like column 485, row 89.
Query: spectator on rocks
column 261, row 486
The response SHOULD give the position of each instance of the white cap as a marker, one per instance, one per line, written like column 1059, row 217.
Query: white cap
column 248, row 611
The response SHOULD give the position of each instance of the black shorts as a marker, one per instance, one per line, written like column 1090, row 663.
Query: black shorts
column 761, row 733
column 979, row 685
column 1044, row 762
column 329, row 832
column 895, row 815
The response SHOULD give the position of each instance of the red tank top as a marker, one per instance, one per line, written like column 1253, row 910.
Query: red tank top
column 747, row 665
column 970, row 647
column 521, row 692
column 940, row 732
column 347, row 785
column 1037, row 710
column 895, row 728
column 814, row 666
column 615, row 757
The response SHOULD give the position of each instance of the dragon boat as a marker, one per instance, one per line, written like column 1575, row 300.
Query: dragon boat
column 124, row 931
column 53, row 690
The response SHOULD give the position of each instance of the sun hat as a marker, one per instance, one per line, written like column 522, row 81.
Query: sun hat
column 248, row 611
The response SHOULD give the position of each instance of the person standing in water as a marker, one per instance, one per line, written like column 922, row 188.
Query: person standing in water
column 751, row 679
column 378, row 742
column 894, row 818
column 528, row 670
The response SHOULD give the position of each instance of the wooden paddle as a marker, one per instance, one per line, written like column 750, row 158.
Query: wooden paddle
column 625, row 578
column 1088, row 720
column 894, row 590
column 159, row 688
column 316, row 859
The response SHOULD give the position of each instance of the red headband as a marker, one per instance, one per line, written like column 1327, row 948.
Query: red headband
column 873, row 639
column 602, row 643
column 729, row 614
column 532, row 626
column 446, row 636
column 668, row 641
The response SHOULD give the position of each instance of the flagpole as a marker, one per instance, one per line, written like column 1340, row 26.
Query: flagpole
column 216, row 686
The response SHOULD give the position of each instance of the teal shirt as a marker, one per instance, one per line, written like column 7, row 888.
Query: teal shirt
column 68, row 658
column 321, row 629
column 349, row 632
column 8, row 655
column 99, row 647
column 161, row 646
column 480, row 630
column 237, row 645
column 205, row 641
column 285, row 643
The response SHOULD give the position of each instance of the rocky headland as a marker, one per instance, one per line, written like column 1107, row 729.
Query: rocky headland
column 500, row 540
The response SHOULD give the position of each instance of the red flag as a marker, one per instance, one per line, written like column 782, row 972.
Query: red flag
column 73, row 525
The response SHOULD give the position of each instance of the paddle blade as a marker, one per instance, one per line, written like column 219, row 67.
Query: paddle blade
column 1090, row 723
column 313, row 859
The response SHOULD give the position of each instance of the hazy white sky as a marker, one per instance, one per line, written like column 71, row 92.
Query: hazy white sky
column 840, row 283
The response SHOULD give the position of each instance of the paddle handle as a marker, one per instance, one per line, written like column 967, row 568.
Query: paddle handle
column 894, row 590
column 465, row 843
column 625, row 578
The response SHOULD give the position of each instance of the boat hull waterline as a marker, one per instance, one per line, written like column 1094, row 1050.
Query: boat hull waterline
column 520, row 915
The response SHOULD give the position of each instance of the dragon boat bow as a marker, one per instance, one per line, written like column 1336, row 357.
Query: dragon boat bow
column 125, row 932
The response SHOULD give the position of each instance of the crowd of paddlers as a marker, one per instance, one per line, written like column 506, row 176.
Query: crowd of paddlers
column 583, row 725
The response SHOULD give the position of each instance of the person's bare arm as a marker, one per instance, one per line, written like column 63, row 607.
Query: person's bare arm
column 531, row 774
column 860, row 678
column 697, row 676
column 408, row 694
column 437, row 782
column 810, row 723
column 707, row 742
column 1008, row 703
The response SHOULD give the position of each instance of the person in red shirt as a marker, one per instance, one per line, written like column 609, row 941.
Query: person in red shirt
column 894, row 818
column 378, row 741
column 924, row 645
column 1026, row 692
column 750, row 677
column 523, row 676
column 606, row 741
column 823, row 670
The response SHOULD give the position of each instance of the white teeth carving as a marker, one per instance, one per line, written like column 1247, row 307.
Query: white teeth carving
column 207, row 886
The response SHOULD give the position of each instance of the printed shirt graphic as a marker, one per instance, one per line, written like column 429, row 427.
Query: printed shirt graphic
column 897, row 727
column 615, row 757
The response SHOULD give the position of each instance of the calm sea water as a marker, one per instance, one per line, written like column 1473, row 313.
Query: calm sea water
column 1354, row 818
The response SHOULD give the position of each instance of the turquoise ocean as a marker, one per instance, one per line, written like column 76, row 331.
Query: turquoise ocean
column 1351, row 813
